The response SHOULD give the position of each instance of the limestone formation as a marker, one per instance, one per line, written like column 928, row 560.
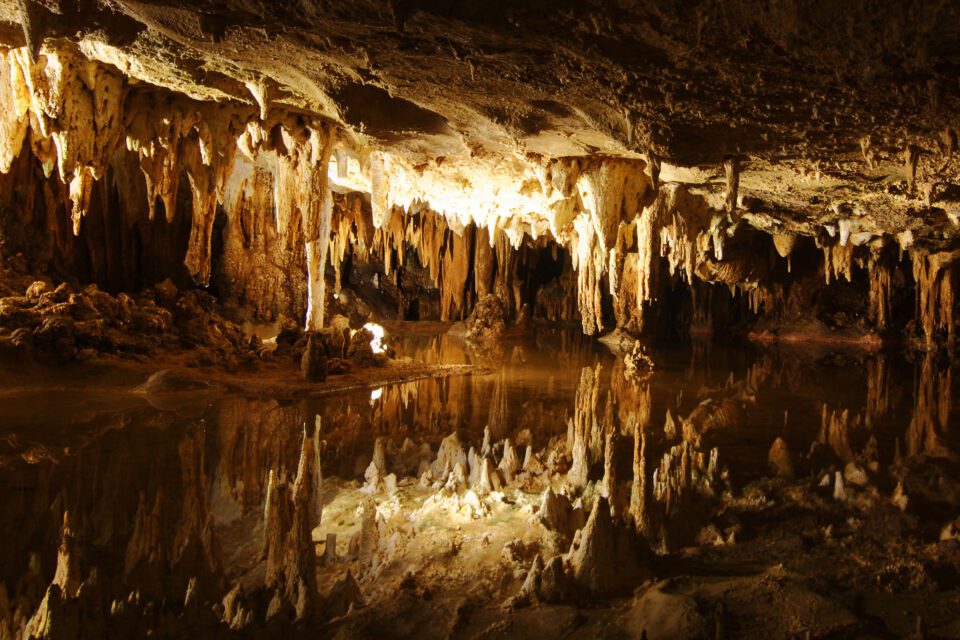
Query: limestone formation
column 780, row 460
column 314, row 362
column 558, row 514
column 223, row 224
column 450, row 455
column 289, row 550
column 609, row 558
column 344, row 596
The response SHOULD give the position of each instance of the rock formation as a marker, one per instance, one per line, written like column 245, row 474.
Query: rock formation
column 213, row 213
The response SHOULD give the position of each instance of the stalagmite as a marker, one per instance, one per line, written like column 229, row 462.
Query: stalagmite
column 449, row 456
column 196, row 548
column 67, row 575
column 343, row 597
column 855, row 475
column 839, row 490
column 930, row 420
column 878, row 388
column 377, row 469
column 608, row 559
column 366, row 541
column 910, row 158
column 316, row 514
column 145, row 559
column 835, row 428
column 609, row 486
column 55, row 618
column 555, row 584
column 509, row 464
column 780, row 460
column 584, row 423
column 556, row 513
column 530, row 588
column 289, row 549
column 639, row 492
column 488, row 478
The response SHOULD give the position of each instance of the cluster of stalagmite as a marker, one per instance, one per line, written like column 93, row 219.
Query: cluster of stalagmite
column 600, row 532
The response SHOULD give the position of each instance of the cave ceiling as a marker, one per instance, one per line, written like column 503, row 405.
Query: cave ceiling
column 820, row 111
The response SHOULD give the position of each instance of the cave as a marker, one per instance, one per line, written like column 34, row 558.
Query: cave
column 407, row 318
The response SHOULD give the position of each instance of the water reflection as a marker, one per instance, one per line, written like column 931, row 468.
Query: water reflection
column 141, row 502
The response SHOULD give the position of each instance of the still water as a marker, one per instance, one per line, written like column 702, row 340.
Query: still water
column 180, row 463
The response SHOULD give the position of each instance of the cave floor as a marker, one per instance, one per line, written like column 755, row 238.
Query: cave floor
column 846, row 529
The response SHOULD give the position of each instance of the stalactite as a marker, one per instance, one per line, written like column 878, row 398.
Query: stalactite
column 590, row 264
column 351, row 228
column 303, row 198
column 72, row 108
column 261, row 265
column 675, row 226
column 198, row 255
column 484, row 262
column 380, row 189
column 14, row 105
column 881, row 276
column 612, row 191
column 648, row 229
column 154, row 130
column 785, row 244
column 837, row 261
column 506, row 256
column 454, row 271
column 934, row 275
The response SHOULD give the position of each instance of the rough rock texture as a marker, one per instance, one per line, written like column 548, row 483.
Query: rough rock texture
column 723, row 144
column 609, row 558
